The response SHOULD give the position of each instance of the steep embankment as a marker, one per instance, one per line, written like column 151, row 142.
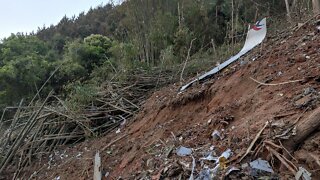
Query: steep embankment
column 232, row 103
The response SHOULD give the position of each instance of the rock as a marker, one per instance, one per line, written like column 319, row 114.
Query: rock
column 303, row 102
column 300, row 58
column 308, row 91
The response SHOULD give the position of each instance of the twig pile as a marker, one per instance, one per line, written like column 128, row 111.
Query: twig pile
column 41, row 127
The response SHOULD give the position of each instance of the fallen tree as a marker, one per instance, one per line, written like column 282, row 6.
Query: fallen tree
column 304, row 129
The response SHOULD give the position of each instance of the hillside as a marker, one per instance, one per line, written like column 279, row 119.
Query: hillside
column 278, row 83
column 106, row 83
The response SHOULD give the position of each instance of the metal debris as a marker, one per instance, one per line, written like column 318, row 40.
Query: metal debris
column 223, row 159
column 205, row 174
column 118, row 131
column 79, row 155
column 221, row 163
column 210, row 158
column 231, row 170
column 262, row 165
column 107, row 174
column 303, row 173
column 226, row 154
column 216, row 135
column 183, row 151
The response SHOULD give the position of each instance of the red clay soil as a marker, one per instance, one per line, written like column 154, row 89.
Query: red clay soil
column 231, row 103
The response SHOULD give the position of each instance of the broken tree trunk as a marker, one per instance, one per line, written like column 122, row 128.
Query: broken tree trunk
column 304, row 129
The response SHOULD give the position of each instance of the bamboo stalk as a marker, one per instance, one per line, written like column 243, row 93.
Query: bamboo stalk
column 26, row 129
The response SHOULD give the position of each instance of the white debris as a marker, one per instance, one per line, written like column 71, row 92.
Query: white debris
column 124, row 121
column 63, row 155
column 118, row 131
column 216, row 135
column 205, row 174
column 208, row 174
column 183, row 151
column 261, row 165
column 226, row 154
column 56, row 153
column 79, row 155
column 180, row 138
column 232, row 169
column 255, row 36
column 210, row 158
column 304, row 173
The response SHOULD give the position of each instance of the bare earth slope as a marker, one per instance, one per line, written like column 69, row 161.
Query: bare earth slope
column 231, row 103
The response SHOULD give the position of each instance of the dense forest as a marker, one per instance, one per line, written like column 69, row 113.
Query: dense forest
column 110, row 41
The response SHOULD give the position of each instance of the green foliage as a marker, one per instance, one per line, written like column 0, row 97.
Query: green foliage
column 182, row 40
column 101, row 42
column 80, row 94
column 69, row 71
column 21, row 45
column 167, row 57
column 81, row 57
column 103, row 73
column 124, row 54
column 123, row 59
column 24, row 66
column 58, row 42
